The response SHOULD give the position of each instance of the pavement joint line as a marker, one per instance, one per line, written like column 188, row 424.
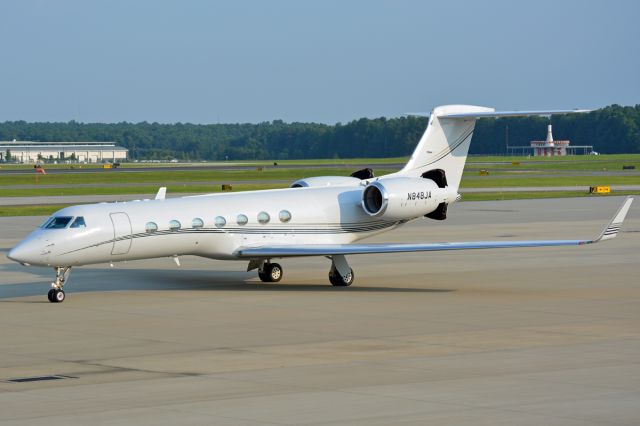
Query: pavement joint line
column 31, row 379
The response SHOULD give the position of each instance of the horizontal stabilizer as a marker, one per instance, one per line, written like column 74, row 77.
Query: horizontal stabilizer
column 497, row 114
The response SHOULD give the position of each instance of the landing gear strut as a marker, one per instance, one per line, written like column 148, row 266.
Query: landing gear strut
column 56, row 294
column 340, row 274
column 270, row 272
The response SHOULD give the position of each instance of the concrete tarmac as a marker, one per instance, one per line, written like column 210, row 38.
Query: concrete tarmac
column 524, row 336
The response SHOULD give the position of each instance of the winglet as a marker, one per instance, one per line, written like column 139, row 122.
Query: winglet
column 161, row 193
column 614, row 226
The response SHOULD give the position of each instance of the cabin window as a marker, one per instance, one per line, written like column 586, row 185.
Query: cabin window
column 174, row 225
column 220, row 221
column 284, row 216
column 150, row 227
column 263, row 217
column 58, row 222
column 197, row 223
column 78, row 223
column 242, row 219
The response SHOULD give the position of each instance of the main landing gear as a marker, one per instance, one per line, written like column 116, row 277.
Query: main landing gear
column 270, row 272
column 340, row 274
column 56, row 294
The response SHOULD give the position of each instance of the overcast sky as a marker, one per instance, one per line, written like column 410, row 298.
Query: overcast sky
column 322, row 61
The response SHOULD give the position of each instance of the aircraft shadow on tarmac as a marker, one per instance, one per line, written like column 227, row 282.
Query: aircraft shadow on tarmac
column 105, row 279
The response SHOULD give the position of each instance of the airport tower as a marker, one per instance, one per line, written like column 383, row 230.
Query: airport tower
column 549, row 147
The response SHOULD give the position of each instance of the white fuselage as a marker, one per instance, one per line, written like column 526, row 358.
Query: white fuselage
column 119, row 231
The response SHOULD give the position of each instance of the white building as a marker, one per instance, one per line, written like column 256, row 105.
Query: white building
column 549, row 147
column 89, row 152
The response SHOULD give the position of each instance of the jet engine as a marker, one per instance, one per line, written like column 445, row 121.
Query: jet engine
column 402, row 198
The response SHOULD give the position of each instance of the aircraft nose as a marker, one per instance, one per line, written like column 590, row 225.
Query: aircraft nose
column 15, row 254
column 24, row 253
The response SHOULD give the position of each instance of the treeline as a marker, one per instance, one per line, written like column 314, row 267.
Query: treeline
column 614, row 129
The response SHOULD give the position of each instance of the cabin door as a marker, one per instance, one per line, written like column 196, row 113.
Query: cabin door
column 121, row 233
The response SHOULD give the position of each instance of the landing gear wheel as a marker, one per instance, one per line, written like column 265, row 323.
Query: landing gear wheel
column 56, row 294
column 59, row 296
column 275, row 272
column 270, row 273
column 336, row 279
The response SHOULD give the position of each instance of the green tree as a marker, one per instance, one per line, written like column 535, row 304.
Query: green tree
column 613, row 129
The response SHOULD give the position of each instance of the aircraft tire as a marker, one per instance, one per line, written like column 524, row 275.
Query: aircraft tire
column 275, row 272
column 336, row 279
column 59, row 296
column 264, row 276
column 51, row 295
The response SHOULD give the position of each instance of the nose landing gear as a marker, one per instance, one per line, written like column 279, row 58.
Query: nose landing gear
column 56, row 294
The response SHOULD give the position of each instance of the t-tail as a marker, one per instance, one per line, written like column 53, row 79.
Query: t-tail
column 443, row 148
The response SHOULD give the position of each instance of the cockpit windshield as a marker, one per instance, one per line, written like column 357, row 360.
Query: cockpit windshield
column 57, row 222
column 78, row 223
column 46, row 222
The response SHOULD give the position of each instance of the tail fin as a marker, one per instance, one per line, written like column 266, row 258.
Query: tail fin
column 445, row 143
column 442, row 150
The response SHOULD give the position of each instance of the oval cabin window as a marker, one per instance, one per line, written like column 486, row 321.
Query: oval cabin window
column 220, row 221
column 263, row 217
column 150, row 227
column 284, row 216
column 197, row 223
column 174, row 225
column 242, row 219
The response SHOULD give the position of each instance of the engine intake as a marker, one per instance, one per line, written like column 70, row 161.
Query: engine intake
column 401, row 198
column 375, row 199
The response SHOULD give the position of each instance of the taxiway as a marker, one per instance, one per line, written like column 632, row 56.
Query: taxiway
column 530, row 336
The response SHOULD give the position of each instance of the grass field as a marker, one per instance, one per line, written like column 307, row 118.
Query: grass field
column 167, row 177
column 483, row 182
column 491, row 196
column 142, row 189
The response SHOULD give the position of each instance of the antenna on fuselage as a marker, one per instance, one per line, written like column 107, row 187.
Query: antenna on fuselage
column 162, row 192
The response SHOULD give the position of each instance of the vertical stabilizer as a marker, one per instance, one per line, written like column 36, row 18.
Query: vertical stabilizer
column 445, row 143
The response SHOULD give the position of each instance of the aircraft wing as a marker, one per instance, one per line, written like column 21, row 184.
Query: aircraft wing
column 609, row 232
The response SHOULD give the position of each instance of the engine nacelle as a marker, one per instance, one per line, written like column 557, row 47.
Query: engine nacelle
column 402, row 198
column 326, row 181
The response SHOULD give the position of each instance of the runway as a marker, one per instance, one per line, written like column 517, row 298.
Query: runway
column 529, row 336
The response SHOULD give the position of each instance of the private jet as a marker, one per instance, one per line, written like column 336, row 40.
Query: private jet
column 318, row 216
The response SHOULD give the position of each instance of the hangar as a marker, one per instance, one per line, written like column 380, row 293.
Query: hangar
column 89, row 152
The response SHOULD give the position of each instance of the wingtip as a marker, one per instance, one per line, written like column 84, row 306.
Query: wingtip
column 615, row 224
